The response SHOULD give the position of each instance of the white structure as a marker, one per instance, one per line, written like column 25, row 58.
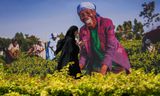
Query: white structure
column 1, row 53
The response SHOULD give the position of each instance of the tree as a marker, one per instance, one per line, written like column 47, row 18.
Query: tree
column 20, row 38
column 128, row 34
column 26, row 41
column 148, row 14
column 4, row 42
column 120, row 29
column 61, row 35
column 29, row 41
column 19, row 35
column 119, row 32
column 138, row 27
column 127, row 25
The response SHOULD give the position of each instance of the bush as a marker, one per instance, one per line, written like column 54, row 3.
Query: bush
column 138, row 59
column 32, row 66
column 34, row 76
column 137, row 83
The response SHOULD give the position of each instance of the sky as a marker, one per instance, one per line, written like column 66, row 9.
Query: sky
column 43, row 17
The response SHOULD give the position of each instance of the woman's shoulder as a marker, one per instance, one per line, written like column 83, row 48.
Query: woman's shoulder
column 69, row 39
column 105, row 21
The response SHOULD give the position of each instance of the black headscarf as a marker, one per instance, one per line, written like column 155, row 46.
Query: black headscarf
column 71, row 32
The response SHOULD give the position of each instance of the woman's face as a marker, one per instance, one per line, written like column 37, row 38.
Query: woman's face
column 76, row 33
column 88, row 17
column 15, row 43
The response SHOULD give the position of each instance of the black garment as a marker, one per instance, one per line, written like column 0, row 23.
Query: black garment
column 69, row 53
column 8, row 58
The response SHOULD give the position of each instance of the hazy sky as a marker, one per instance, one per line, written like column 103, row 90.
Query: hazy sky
column 42, row 17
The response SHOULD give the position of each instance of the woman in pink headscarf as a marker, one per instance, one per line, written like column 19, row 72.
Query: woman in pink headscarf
column 100, row 49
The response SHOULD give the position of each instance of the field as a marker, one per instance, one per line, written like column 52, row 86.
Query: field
column 33, row 76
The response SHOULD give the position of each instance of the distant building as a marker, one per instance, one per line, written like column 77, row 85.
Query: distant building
column 1, row 51
column 150, row 38
column 153, row 35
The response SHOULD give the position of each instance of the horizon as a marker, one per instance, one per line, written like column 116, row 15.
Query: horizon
column 43, row 17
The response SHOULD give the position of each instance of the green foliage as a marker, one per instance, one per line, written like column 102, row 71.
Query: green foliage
column 4, row 42
column 148, row 14
column 128, row 31
column 2, row 60
column 61, row 35
column 148, row 61
column 138, row 27
column 133, row 46
column 31, row 65
column 25, row 42
column 58, row 84
column 29, row 76
column 127, row 25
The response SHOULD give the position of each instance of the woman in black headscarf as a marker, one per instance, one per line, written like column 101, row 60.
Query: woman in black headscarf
column 69, row 52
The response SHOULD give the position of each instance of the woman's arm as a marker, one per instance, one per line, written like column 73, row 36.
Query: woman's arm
column 83, row 52
column 110, row 45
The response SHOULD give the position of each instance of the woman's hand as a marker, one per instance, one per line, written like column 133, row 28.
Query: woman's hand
column 81, row 66
column 81, row 43
column 104, row 69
